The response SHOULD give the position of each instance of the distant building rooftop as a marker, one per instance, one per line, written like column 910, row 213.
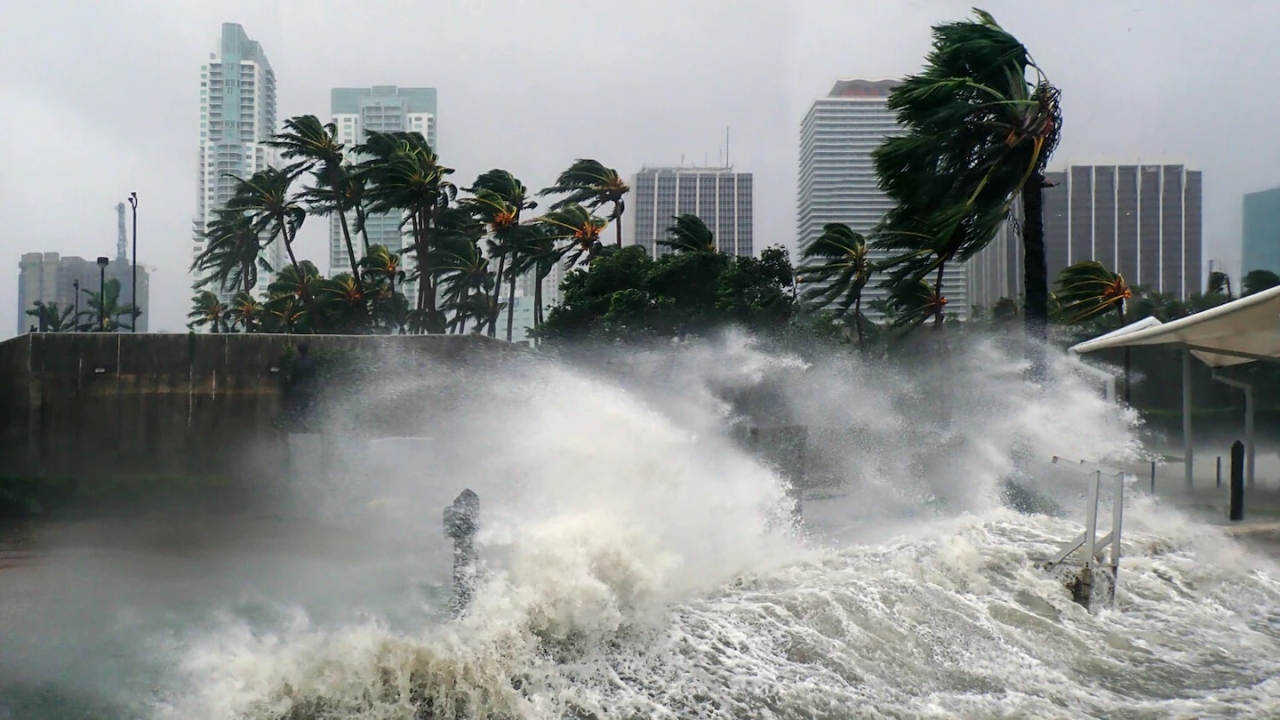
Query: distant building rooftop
column 863, row 88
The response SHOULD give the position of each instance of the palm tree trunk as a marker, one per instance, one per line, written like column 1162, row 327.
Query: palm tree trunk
column 495, row 296
column 1036, row 273
column 511, row 307
column 351, row 258
column 245, row 269
column 617, row 219
column 857, row 322
column 426, row 281
column 363, row 220
column 537, row 300
column 937, row 293
column 1120, row 311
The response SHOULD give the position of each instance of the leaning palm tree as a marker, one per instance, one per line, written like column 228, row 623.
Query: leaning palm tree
column 232, row 257
column 292, row 303
column 1219, row 284
column 266, row 198
column 579, row 227
column 500, row 198
column 977, row 135
column 465, row 278
column 315, row 149
column 384, row 269
column 404, row 174
column 590, row 183
column 539, row 254
column 51, row 318
column 688, row 234
column 246, row 312
column 837, row 267
column 207, row 310
column 1088, row 290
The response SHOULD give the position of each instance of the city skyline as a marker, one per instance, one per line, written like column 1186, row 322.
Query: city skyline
column 644, row 104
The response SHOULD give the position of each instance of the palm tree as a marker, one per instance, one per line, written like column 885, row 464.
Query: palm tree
column 208, row 311
column 689, row 234
column 589, row 183
column 465, row 278
column 539, row 254
column 576, row 224
column 233, row 254
column 1087, row 290
column 1219, row 283
column 388, row 269
column 105, row 310
column 292, row 304
column 316, row 148
column 246, row 312
column 51, row 318
column 500, row 200
column 838, row 267
column 341, row 303
column 404, row 174
column 265, row 197
column 978, row 135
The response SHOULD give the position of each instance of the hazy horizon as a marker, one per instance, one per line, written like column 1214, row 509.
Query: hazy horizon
column 113, row 91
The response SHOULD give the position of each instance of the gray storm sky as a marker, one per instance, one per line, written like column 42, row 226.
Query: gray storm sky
column 102, row 96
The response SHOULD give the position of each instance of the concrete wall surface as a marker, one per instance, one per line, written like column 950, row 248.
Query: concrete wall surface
column 88, row 405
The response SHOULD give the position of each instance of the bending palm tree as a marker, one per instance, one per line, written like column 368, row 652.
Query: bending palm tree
column 575, row 224
column 404, row 174
column 589, row 183
column 233, row 256
column 838, row 265
column 689, row 235
column 246, row 312
column 292, row 303
column 105, row 310
column 539, row 255
column 978, row 135
column 208, row 311
column 1088, row 290
column 265, row 197
column 316, row 148
column 386, row 266
column 500, row 199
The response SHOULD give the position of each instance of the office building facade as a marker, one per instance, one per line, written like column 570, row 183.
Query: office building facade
column 837, row 178
column 237, row 119
column 382, row 108
column 52, row 279
column 1143, row 221
column 722, row 198
column 1260, row 243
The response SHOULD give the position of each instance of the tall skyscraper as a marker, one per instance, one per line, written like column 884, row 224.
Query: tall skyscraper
column 1260, row 244
column 382, row 108
column 237, row 118
column 838, row 181
column 721, row 197
column 1142, row 221
column 50, row 278
column 997, row 271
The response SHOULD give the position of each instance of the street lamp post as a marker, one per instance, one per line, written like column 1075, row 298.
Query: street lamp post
column 102, row 293
column 76, row 284
column 133, row 292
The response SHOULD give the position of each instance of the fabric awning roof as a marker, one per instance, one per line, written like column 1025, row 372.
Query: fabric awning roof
column 1237, row 332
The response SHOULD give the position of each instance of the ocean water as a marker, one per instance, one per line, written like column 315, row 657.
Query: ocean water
column 637, row 564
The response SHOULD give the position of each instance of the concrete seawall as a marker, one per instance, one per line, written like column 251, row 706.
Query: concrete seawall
column 88, row 405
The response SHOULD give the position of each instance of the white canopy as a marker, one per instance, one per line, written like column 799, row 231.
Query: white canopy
column 1237, row 332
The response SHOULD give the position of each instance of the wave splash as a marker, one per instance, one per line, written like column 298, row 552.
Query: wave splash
column 638, row 565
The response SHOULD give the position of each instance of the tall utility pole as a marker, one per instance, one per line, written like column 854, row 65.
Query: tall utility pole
column 102, row 293
column 133, row 293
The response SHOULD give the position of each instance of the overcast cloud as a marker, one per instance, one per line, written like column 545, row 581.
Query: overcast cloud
column 102, row 97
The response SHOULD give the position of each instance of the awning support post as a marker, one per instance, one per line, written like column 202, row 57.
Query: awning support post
column 1248, row 422
column 1186, row 416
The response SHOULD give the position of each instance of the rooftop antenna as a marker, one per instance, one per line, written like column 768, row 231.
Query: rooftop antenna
column 726, row 147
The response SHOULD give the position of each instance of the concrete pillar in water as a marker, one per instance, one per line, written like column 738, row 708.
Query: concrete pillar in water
column 461, row 521
column 1237, row 481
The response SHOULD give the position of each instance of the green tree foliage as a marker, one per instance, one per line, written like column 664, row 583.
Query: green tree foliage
column 50, row 318
column 689, row 234
column 977, row 135
column 837, row 267
column 104, row 310
column 1255, row 281
column 591, row 184
column 628, row 296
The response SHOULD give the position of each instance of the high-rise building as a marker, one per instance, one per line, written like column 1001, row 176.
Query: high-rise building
column 721, row 197
column 1260, row 246
column 838, row 181
column 237, row 118
column 49, row 278
column 1142, row 221
column 997, row 271
column 382, row 108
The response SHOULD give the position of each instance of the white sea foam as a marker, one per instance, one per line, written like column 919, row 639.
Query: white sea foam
column 638, row 565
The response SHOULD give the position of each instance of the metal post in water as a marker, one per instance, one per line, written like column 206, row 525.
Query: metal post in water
column 1153, row 477
column 1237, row 481
column 461, row 521
column 1187, row 412
column 1117, row 519
column 1219, row 475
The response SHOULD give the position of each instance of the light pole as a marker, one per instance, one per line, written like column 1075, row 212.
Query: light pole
column 133, row 292
column 102, row 293
column 76, row 284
